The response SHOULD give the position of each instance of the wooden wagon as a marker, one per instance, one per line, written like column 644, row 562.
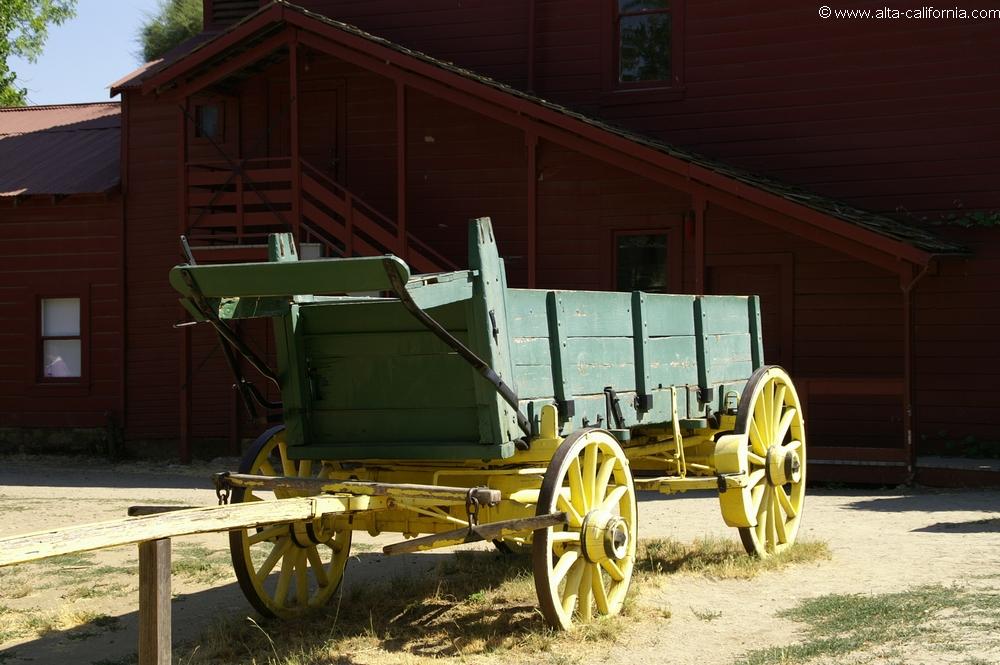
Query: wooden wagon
column 450, row 408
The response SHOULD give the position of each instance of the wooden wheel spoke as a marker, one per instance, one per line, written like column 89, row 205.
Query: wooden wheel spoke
column 756, row 498
column 572, row 514
column 772, row 526
column 781, row 536
column 272, row 559
column 756, row 459
column 604, row 475
column 571, row 591
column 266, row 469
column 756, row 477
column 600, row 594
column 301, row 579
column 762, row 416
column 779, row 404
column 577, row 493
column 765, row 504
column 319, row 570
column 758, row 439
column 305, row 468
column 287, row 465
column 613, row 569
column 586, row 600
column 267, row 533
column 793, row 446
column 786, row 503
column 590, row 475
column 565, row 537
column 285, row 578
column 786, row 422
column 614, row 497
column 563, row 565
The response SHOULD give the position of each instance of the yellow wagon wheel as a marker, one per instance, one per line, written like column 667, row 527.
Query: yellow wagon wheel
column 769, row 444
column 583, row 568
column 286, row 568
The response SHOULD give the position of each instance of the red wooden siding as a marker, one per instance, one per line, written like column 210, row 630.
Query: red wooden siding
column 957, row 345
column 889, row 115
column 70, row 248
column 151, row 217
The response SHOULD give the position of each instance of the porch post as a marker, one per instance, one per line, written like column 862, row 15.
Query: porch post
column 293, row 112
column 908, row 278
column 699, row 203
column 401, row 167
column 531, row 142
column 184, row 340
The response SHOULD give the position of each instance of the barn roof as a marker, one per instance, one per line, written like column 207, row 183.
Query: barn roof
column 783, row 198
column 65, row 149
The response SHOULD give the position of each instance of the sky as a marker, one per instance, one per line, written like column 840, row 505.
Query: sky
column 83, row 56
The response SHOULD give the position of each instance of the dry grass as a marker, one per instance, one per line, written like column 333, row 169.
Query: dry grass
column 720, row 558
column 474, row 606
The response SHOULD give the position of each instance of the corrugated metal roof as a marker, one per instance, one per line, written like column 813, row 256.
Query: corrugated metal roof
column 71, row 149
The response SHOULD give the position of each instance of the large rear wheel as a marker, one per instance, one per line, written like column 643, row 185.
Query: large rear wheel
column 285, row 569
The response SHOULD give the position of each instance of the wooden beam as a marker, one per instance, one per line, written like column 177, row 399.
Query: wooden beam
column 154, row 602
column 477, row 533
column 401, row 138
column 133, row 530
column 293, row 111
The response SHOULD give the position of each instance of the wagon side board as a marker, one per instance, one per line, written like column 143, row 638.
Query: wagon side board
column 569, row 346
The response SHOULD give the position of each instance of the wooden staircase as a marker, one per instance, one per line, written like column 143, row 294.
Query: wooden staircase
column 231, row 207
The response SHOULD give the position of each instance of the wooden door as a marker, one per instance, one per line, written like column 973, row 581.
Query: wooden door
column 321, row 128
column 769, row 281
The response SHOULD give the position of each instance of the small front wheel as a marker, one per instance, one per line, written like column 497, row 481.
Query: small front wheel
column 584, row 568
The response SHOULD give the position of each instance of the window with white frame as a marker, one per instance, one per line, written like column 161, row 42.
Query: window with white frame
column 62, row 343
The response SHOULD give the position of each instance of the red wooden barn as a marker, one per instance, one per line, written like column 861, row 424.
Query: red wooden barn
column 616, row 144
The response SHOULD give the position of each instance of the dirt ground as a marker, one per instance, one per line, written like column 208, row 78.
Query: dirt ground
column 83, row 610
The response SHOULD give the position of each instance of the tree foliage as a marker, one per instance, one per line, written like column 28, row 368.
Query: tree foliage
column 24, row 25
column 176, row 21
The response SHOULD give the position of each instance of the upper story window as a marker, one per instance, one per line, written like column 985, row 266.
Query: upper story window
column 644, row 39
column 209, row 121
column 646, row 48
column 62, row 343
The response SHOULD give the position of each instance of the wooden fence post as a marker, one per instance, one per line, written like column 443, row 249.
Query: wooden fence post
column 154, row 602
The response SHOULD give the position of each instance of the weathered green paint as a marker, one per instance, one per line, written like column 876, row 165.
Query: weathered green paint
column 641, row 351
column 361, row 378
column 756, row 335
column 290, row 278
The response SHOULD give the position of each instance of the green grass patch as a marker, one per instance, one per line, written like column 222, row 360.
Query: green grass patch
column 840, row 625
column 200, row 564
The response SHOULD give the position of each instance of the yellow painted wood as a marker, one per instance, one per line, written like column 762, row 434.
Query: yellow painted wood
column 590, row 480
column 293, row 567
column 132, row 530
column 768, row 448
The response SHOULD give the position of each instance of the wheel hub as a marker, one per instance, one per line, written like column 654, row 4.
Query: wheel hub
column 783, row 466
column 604, row 536
column 307, row 534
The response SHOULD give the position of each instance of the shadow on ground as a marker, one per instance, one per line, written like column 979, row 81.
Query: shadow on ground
column 926, row 501
column 405, row 603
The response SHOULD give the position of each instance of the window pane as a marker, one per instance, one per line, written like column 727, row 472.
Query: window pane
column 644, row 48
column 630, row 6
column 642, row 262
column 60, row 317
column 61, row 358
column 206, row 121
